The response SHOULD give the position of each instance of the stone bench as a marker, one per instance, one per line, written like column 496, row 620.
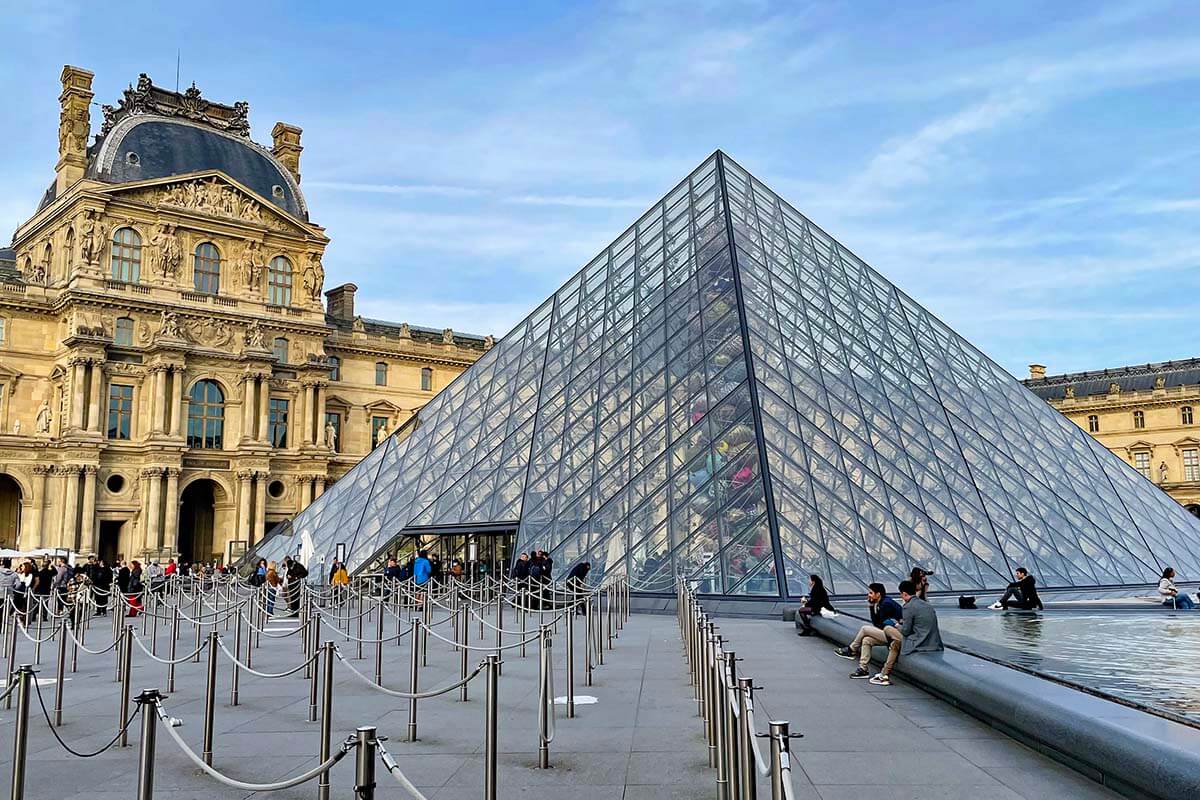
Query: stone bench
column 1133, row 752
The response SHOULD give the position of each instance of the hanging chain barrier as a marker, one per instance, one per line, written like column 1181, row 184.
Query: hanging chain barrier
column 725, row 705
column 227, row 617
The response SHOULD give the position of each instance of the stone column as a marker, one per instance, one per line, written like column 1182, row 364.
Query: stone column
column 244, row 491
column 87, row 534
column 177, row 401
column 320, row 487
column 302, row 411
column 264, row 414
column 34, row 537
column 306, row 491
column 70, row 506
column 171, row 527
column 260, row 506
column 160, row 400
column 248, row 407
column 153, row 508
column 77, row 368
column 97, row 370
column 320, row 421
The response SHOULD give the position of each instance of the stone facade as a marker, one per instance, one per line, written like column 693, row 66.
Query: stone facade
column 1147, row 415
column 170, row 381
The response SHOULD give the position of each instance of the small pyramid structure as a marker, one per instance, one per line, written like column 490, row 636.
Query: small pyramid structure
column 729, row 393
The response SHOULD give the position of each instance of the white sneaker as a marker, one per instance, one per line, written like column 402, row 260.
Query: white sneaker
column 880, row 680
column 996, row 606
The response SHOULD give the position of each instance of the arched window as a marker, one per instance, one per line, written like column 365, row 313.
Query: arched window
column 1093, row 423
column 207, row 271
column 281, row 350
column 206, row 416
column 335, row 368
column 380, row 373
column 279, row 282
column 126, row 255
column 1139, row 419
column 426, row 380
column 1185, row 415
column 123, row 332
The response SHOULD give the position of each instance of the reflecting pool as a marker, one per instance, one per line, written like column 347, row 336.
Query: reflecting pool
column 1148, row 658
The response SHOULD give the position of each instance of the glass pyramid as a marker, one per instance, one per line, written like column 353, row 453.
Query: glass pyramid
column 728, row 392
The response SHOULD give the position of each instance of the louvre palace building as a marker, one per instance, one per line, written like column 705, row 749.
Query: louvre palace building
column 174, row 376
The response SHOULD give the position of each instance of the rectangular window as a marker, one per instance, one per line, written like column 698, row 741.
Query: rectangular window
column 381, row 371
column 120, row 411
column 1093, row 424
column 426, row 380
column 277, row 421
column 377, row 424
column 1191, row 465
column 3, row 328
column 333, row 425
column 1141, row 461
column 123, row 332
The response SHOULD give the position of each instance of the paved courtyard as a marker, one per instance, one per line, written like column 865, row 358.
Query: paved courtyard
column 640, row 740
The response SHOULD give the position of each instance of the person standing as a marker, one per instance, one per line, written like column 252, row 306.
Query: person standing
column 577, row 584
column 102, row 579
column 272, row 582
column 296, row 573
column 422, row 572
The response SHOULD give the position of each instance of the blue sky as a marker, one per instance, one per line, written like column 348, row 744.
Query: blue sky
column 1027, row 170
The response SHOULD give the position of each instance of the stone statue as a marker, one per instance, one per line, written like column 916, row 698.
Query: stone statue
column 42, row 423
column 89, row 238
column 489, row 342
column 405, row 331
column 255, row 338
column 314, row 276
column 17, row 428
column 1162, row 472
column 448, row 336
column 1114, row 388
column 330, row 436
column 1160, row 382
column 1069, row 392
column 168, row 327
column 253, row 264
column 381, row 434
column 168, row 254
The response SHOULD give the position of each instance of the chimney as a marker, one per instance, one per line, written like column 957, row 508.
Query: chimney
column 74, row 125
column 341, row 301
column 287, row 147
column 1036, row 372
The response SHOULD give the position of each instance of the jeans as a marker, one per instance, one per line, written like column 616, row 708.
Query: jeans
column 1180, row 600
column 1013, row 597
column 869, row 636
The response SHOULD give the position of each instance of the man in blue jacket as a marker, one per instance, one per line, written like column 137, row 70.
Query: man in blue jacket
column 884, row 630
column 422, row 569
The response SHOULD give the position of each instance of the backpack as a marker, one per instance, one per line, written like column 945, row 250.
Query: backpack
column 535, row 570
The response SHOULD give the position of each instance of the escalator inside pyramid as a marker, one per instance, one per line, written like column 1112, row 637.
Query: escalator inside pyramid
column 729, row 394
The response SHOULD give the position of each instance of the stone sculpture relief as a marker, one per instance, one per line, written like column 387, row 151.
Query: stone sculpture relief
column 168, row 252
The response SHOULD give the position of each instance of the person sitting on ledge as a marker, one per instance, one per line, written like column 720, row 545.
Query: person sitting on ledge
column 884, row 629
column 1021, row 593
column 818, row 598
column 1172, row 597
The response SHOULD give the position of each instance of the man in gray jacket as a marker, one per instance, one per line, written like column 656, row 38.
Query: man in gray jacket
column 919, row 629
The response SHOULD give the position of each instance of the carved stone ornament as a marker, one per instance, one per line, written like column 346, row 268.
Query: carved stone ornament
column 249, row 265
column 212, row 198
column 1069, row 392
column 405, row 331
column 255, row 338
column 1114, row 388
column 314, row 276
column 209, row 332
column 91, row 237
column 146, row 98
column 1160, row 382
column 490, row 341
column 169, row 327
column 448, row 336
column 41, row 424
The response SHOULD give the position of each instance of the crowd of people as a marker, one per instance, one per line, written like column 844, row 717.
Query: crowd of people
column 282, row 584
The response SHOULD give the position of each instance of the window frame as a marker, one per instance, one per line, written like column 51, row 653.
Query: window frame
column 1093, row 423
column 206, row 268
column 335, row 368
column 1143, row 468
column 120, row 412
column 381, row 369
column 1191, row 464
column 117, row 339
column 1139, row 420
column 383, row 422
column 1187, row 415
column 206, row 416
column 336, row 417
column 426, row 379
column 125, row 257
column 279, row 292
column 278, row 411
column 275, row 350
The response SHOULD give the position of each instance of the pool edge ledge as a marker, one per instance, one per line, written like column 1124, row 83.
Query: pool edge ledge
column 1137, row 754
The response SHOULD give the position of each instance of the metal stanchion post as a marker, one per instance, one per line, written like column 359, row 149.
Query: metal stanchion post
column 570, row 663
column 746, row 739
column 237, row 656
column 709, row 690
column 26, row 676
column 62, row 665
column 364, row 770
column 608, row 619
column 427, row 616
column 379, row 644
column 126, row 674
column 359, row 643
column 210, row 697
column 730, row 732
column 154, row 625
column 587, row 642
column 413, row 666
column 462, row 656
column 490, row 727
column 545, row 702
column 326, row 718
column 313, row 680
column 199, row 639
column 779, row 757
column 171, row 648
column 598, row 628
column 147, row 701
column 522, row 613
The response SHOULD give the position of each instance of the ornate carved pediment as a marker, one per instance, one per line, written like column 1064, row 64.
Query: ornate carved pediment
column 146, row 98
column 211, row 197
column 210, row 332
